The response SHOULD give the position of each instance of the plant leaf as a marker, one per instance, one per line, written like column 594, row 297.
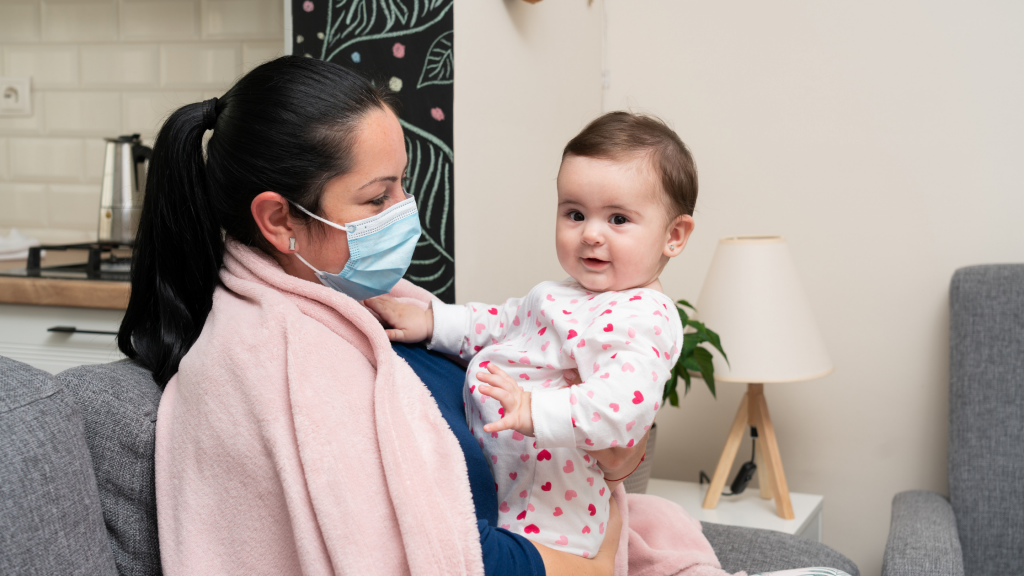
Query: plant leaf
column 690, row 342
column 674, row 398
column 691, row 363
column 707, row 368
column 439, row 67
column 715, row 341
column 683, row 316
column 685, row 303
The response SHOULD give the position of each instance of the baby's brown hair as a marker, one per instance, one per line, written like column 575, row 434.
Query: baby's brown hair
column 616, row 135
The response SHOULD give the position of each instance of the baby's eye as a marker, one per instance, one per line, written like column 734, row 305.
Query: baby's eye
column 619, row 219
column 576, row 216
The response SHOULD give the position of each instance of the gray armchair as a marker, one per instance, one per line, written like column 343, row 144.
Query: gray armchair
column 979, row 530
column 77, row 491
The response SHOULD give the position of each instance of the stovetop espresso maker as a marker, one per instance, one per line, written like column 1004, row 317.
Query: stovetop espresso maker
column 123, row 188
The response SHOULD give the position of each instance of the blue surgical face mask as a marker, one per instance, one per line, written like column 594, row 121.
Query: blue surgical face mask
column 380, row 249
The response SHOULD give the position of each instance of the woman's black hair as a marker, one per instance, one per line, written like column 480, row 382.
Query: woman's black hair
column 286, row 126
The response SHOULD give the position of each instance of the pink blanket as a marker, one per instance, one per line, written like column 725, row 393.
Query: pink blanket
column 294, row 441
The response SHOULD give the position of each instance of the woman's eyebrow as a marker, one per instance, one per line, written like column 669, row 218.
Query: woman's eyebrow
column 379, row 179
column 384, row 178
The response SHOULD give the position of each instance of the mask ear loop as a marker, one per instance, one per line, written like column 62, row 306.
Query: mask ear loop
column 342, row 227
column 303, row 260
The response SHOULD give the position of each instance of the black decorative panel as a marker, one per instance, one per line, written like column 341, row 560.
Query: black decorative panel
column 407, row 44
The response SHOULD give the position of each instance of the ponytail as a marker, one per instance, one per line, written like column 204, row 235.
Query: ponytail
column 286, row 126
column 178, row 251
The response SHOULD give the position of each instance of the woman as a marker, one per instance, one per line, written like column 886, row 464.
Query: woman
column 291, row 438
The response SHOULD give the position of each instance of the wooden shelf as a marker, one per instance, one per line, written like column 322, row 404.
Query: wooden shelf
column 56, row 292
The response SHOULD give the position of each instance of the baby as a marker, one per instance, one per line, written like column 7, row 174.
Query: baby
column 586, row 358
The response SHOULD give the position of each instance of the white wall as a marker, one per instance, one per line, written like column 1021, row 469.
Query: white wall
column 884, row 141
column 527, row 80
column 103, row 68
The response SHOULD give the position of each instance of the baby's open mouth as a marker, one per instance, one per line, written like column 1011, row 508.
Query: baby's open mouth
column 594, row 262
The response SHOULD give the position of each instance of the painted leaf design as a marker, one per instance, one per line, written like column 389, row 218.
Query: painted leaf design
column 429, row 179
column 439, row 67
column 351, row 21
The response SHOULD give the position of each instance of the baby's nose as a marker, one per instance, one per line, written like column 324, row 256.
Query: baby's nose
column 592, row 235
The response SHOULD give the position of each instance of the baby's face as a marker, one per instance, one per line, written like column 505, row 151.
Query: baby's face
column 613, row 229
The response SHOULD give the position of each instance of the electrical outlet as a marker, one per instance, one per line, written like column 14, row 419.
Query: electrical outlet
column 15, row 96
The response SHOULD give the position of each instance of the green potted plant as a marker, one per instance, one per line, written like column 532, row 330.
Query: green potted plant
column 693, row 359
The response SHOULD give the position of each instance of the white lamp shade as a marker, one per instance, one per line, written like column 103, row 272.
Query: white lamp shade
column 753, row 299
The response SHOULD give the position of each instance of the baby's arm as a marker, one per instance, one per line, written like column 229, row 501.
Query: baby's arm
column 408, row 323
column 624, row 359
column 465, row 330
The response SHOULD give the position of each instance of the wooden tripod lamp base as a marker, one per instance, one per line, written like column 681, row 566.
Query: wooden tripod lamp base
column 753, row 411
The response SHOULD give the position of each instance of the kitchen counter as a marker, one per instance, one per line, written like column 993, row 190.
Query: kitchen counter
column 60, row 292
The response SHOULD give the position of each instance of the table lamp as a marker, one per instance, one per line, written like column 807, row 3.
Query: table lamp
column 753, row 298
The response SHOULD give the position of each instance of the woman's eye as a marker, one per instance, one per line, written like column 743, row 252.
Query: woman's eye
column 619, row 220
column 379, row 201
column 576, row 216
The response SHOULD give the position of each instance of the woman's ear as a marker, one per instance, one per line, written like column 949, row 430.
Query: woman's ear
column 679, row 231
column 270, row 210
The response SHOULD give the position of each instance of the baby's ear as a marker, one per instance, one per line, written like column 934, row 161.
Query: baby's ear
column 679, row 231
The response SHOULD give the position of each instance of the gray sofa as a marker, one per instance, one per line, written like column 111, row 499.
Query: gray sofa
column 77, row 489
column 979, row 530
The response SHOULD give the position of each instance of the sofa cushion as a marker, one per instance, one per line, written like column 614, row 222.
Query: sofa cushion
column 757, row 551
column 986, row 416
column 119, row 403
column 50, row 518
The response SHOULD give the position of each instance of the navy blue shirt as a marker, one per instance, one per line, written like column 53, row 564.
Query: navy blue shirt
column 505, row 553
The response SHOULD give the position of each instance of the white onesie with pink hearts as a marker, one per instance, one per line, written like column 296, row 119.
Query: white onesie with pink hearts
column 596, row 365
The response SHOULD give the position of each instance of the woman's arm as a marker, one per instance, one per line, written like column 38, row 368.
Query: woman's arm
column 617, row 463
column 558, row 563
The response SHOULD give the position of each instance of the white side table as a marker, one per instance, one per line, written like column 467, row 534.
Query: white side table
column 746, row 509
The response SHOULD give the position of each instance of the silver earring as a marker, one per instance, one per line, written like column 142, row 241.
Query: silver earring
column 671, row 247
column 291, row 243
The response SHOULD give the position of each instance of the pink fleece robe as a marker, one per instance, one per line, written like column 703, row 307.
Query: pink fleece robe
column 293, row 440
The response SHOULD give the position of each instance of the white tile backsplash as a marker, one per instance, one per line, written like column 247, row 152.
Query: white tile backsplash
column 47, row 159
column 93, row 113
column 79, row 20
column 49, row 66
column 3, row 159
column 24, row 204
column 19, row 20
column 145, row 112
column 256, row 53
column 223, row 19
column 105, row 68
column 160, row 20
column 95, row 150
column 74, row 206
column 121, row 65
column 199, row 65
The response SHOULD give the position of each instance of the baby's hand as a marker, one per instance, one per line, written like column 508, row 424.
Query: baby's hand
column 514, row 400
column 408, row 322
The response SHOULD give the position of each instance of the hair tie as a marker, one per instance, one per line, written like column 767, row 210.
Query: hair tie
column 209, row 113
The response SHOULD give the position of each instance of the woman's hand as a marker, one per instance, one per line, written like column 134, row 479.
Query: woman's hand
column 558, row 563
column 617, row 463
column 408, row 323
